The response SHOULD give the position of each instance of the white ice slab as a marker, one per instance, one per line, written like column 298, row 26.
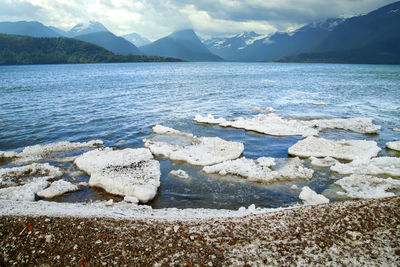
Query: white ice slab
column 180, row 174
column 310, row 197
column 259, row 171
column 38, row 152
column 58, row 188
column 8, row 154
column 273, row 124
column 323, row 162
column 140, row 179
column 22, row 174
column 210, row 119
column 395, row 145
column 99, row 159
column 364, row 186
column 25, row 192
column 377, row 166
column 201, row 151
column 358, row 125
column 159, row 129
column 343, row 149
column 128, row 172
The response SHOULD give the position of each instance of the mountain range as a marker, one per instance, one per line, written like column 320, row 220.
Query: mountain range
column 373, row 34
column 184, row 44
column 368, row 38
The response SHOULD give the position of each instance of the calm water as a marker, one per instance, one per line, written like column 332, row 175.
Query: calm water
column 119, row 103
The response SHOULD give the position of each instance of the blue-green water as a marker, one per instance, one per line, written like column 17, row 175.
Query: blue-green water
column 119, row 103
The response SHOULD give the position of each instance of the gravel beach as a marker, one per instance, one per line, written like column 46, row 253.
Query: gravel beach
column 352, row 233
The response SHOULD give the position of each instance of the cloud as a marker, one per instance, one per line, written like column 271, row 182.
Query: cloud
column 155, row 19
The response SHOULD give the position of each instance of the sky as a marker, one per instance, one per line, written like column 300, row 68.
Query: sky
column 209, row 18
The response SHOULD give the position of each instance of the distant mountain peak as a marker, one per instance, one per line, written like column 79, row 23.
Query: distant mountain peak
column 136, row 39
column 87, row 27
column 185, row 34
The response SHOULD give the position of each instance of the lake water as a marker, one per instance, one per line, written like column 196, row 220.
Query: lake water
column 119, row 104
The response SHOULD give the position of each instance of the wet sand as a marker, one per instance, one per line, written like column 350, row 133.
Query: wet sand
column 352, row 233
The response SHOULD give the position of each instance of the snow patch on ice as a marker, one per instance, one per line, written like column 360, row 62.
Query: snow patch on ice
column 344, row 149
column 8, row 154
column 210, row 119
column 260, row 170
column 180, row 174
column 363, row 186
column 395, row 145
column 58, row 188
column 377, row 166
column 310, row 197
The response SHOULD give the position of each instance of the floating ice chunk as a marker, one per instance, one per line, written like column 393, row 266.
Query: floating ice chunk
column 24, row 193
column 310, row 197
column 396, row 129
column 159, row 129
column 377, row 166
column 201, row 151
column 253, row 171
column 38, row 152
column 323, row 162
column 99, row 159
column 363, row 186
column 128, row 172
column 266, row 110
column 344, row 149
column 395, row 145
column 210, row 119
column 58, row 188
column 271, row 124
column 180, row 174
column 8, row 154
column 19, row 175
column 294, row 187
column 358, row 125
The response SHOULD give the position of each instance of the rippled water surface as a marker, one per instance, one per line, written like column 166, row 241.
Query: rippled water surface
column 119, row 103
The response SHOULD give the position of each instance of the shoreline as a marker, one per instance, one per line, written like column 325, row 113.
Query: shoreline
column 355, row 232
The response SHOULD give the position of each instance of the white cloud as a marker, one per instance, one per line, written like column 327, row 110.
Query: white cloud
column 155, row 19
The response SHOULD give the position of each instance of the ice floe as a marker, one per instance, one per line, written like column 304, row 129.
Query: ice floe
column 159, row 129
column 310, row 197
column 180, row 174
column 273, row 124
column 358, row 125
column 270, row 124
column 38, row 152
column 395, row 145
column 25, row 192
column 128, row 172
column 266, row 110
column 201, row 151
column 377, row 166
column 323, row 162
column 343, row 149
column 8, row 154
column 364, row 186
column 260, row 170
column 58, row 188
column 23, row 174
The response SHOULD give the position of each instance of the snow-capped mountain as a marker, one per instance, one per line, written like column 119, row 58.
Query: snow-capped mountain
column 137, row 39
column 229, row 47
column 87, row 28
